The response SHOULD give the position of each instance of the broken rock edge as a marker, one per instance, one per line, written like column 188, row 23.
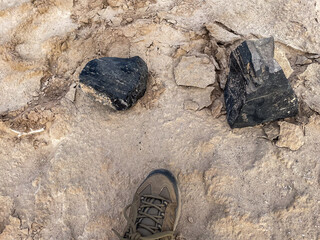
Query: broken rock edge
column 238, row 43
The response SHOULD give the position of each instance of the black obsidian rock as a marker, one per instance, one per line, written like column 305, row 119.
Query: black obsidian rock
column 117, row 82
column 257, row 90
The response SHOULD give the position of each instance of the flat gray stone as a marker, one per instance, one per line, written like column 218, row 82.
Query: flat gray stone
column 195, row 71
column 309, row 88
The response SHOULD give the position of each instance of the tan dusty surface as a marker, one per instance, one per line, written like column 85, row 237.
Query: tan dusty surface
column 68, row 165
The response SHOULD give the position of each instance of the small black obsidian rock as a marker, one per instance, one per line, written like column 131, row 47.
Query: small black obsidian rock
column 117, row 82
column 257, row 90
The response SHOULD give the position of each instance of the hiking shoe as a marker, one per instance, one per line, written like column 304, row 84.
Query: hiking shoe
column 155, row 209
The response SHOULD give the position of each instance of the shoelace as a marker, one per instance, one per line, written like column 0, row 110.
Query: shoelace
column 133, row 234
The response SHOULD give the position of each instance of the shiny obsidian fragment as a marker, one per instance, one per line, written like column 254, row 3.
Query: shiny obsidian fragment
column 257, row 89
column 117, row 82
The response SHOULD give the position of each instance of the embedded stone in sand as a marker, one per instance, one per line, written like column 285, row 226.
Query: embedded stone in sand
column 195, row 71
column 117, row 82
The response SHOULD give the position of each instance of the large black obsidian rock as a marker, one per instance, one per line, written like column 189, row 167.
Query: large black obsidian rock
column 117, row 82
column 257, row 90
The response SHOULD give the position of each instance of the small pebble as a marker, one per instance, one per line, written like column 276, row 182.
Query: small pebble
column 129, row 20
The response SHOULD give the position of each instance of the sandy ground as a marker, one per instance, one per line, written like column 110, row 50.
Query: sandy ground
column 70, row 165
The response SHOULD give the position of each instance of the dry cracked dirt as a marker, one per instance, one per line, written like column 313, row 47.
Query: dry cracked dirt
column 68, row 165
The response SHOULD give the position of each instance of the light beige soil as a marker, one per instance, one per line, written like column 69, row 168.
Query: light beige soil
column 68, row 165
